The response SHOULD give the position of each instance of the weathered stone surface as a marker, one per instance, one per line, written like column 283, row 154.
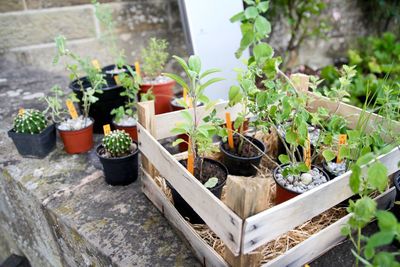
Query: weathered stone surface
column 60, row 212
column 30, row 28
column 11, row 5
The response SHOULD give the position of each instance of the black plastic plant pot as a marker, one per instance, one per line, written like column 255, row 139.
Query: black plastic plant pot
column 184, row 208
column 242, row 166
column 35, row 145
column 108, row 100
column 120, row 171
column 110, row 73
column 396, row 181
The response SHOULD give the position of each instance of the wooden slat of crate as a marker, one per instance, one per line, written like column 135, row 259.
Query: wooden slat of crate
column 267, row 225
column 223, row 221
column 167, row 121
column 206, row 255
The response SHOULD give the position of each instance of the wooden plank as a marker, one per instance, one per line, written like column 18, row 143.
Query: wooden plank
column 146, row 114
column 269, row 224
column 246, row 197
column 324, row 240
column 167, row 121
column 224, row 222
column 206, row 255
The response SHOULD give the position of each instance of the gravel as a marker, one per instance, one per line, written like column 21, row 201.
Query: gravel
column 336, row 168
column 157, row 80
column 301, row 183
column 74, row 124
column 126, row 121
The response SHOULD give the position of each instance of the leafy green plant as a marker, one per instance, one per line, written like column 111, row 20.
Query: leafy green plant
column 79, row 66
column 30, row 121
column 118, row 143
column 149, row 95
column 54, row 104
column 154, row 57
column 199, row 132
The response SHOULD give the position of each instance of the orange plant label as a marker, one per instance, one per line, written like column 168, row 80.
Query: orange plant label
column 106, row 129
column 116, row 79
column 137, row 68
column 71, row 109
column 185, row 95
column 21, row 111
column 307, row 153
column 190, row 160
column 229, row 127
column 96, row 64
column 342, row 141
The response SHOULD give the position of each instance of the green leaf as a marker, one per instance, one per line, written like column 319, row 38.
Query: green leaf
column 212, row 182
column 195, row 64
column 386, row 220
column 251, row 12
column 208, row 72
column 263, row 6
column 183, row 64
column 365, row 159
column 178, row 79
column 178, row 141
column 345, row 230
column 377, row 176
column 237, row 17
column 302, row 167
column 284, row 159
column 355, row 178
column 262, row 25
column 187, row 116
column 209, row 82
column 291, row 137
column 263, row 50
column 329, row 155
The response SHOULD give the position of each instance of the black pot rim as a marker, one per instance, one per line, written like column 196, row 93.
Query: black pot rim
column 292, row 191
column 396, row 181
column 79, row 129
column 221, row 147
column 114, row 87
column 118, row 158
column 222, row 166
column 45, row 130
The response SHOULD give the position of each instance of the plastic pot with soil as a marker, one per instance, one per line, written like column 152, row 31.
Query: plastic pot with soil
column 111, row 71
column 77, row 134
column 162, row 88
column 119, row 155
column 293, row 185
column 32, row 135
column 210, row 169
column 109, row 99
column 245, row 161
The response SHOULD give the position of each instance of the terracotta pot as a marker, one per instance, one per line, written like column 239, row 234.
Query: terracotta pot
column 78, row 141
column 163, row 93
column 131, row 130
column 283, row 194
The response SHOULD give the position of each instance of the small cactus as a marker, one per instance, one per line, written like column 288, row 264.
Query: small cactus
column 30, row 121
column 118, row 143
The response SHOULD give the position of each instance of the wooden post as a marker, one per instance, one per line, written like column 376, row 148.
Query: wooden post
column 300, row 81
column 146, row 113
column 246, row 197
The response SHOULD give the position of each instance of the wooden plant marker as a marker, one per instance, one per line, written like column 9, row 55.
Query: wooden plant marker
column 229, row 127
column 116, row 79
column 106, row 129
column 71, row 109
column 190, row 160
column 246, row 197
column 21, row 111
column 96, row 64
column 137, row 68
column 307, row 153
column 342, row 141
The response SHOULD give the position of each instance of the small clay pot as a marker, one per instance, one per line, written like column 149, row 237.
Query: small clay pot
column 122, row 170
column 184, row 208
column 283, row 194
column 131, row 130
column 163, row 93
column 78, row 141
column 35, row 145
column 242, row 166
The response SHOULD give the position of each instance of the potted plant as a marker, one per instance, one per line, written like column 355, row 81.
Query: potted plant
column 77, row 132
column 119, row 155
column 124, row 116
column 32, row 135
column 209, row 172
column 245, row 156
column 154, row 58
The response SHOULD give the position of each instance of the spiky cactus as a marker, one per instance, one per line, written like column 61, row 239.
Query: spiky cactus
column 118, row 143
column 30, row 121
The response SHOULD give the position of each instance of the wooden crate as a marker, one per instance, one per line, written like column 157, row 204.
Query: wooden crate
column 242, row 236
